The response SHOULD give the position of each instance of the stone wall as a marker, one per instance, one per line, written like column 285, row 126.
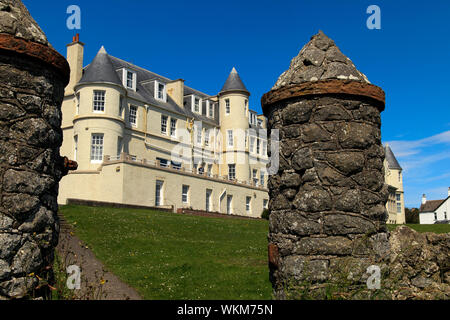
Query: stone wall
column 328, row 214
column 32, row 81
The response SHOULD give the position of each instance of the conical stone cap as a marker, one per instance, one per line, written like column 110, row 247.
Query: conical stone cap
column 319, row 59
column 15, row 20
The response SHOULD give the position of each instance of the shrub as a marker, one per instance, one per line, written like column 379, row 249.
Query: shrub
column 265, row 214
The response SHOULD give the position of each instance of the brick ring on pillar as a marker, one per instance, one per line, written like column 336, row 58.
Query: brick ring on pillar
column 32, row 80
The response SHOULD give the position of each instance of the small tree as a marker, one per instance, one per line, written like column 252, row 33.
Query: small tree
column 412, row 215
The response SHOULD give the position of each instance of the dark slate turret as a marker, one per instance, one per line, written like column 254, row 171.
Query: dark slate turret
column 234, row 83
column 100, row 70
column 390, row 158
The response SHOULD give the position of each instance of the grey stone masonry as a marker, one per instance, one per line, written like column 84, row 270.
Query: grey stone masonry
column 32, row 81
column 327, row 202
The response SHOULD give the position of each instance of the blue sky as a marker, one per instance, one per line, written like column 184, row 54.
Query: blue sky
column 200, row 41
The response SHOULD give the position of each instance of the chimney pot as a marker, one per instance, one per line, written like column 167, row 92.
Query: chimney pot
column 424, row 198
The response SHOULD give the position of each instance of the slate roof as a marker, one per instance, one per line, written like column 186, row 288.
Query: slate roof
column 100, row 70
column 319, row 59
column 431, row 205
column 390, row 158
column 108, row 69
column 234, row 83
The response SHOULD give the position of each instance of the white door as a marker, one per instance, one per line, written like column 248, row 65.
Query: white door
column 208, row 200
column 229, row 202
column 158, row 193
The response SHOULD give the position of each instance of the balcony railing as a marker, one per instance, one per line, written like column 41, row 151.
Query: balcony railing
column 124, row 157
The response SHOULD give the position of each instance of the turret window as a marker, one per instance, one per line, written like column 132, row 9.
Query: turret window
column 227, row 106
column 97, row 147
column 99, row 101
column 133, row 116
column 230, row 138
column 78, row 104
column 231, row 171
column 252, row 144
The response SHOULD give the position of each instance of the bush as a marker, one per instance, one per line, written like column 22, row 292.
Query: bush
column 265, row 214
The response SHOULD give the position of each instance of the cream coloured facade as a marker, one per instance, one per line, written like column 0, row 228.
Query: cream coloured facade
column 394, row 179
column 142, row 139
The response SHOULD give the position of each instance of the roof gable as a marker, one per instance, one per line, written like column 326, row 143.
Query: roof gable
column 432, row 205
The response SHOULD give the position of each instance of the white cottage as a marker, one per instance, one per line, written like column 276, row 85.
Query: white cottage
column 433, row 211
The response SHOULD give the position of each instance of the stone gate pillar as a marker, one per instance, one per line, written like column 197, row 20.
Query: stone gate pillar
column 327, row 221
column 32, row 80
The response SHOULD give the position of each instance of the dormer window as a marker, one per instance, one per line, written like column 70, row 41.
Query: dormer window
column 196, row 102
column 160, row 91
column 210, row 109
column 129, row 79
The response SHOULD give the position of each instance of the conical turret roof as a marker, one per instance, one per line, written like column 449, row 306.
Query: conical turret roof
column 319, row 59
column 101, row 70
column 234, row 83
column 390, row 158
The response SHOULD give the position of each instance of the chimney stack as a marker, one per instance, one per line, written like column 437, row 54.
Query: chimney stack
column 424, row 198
column 75, row 52
column 175, row 90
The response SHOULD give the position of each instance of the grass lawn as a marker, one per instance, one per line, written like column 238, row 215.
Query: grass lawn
column 436, row 228
column 170, row 256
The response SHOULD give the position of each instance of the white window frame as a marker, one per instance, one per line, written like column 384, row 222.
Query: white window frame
column 119, row 145
column 97, row 142
column 98, row 103
column 206, row 138
column 185, row 194
column 194, row 97
column 164, row 120
column 199, row 135
column 125, row 79
column 164, row 93
column 252, row 144
column 159, row 183
column 210, row 109
column 248, row 204
column 262, row 177
column 173, row 127
column 75, row 147
column 258, row 146
column 227, row 107
column 133, row 115
column 77, row 107
column 231, row 173
column 230, row 138
column 255, row 176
